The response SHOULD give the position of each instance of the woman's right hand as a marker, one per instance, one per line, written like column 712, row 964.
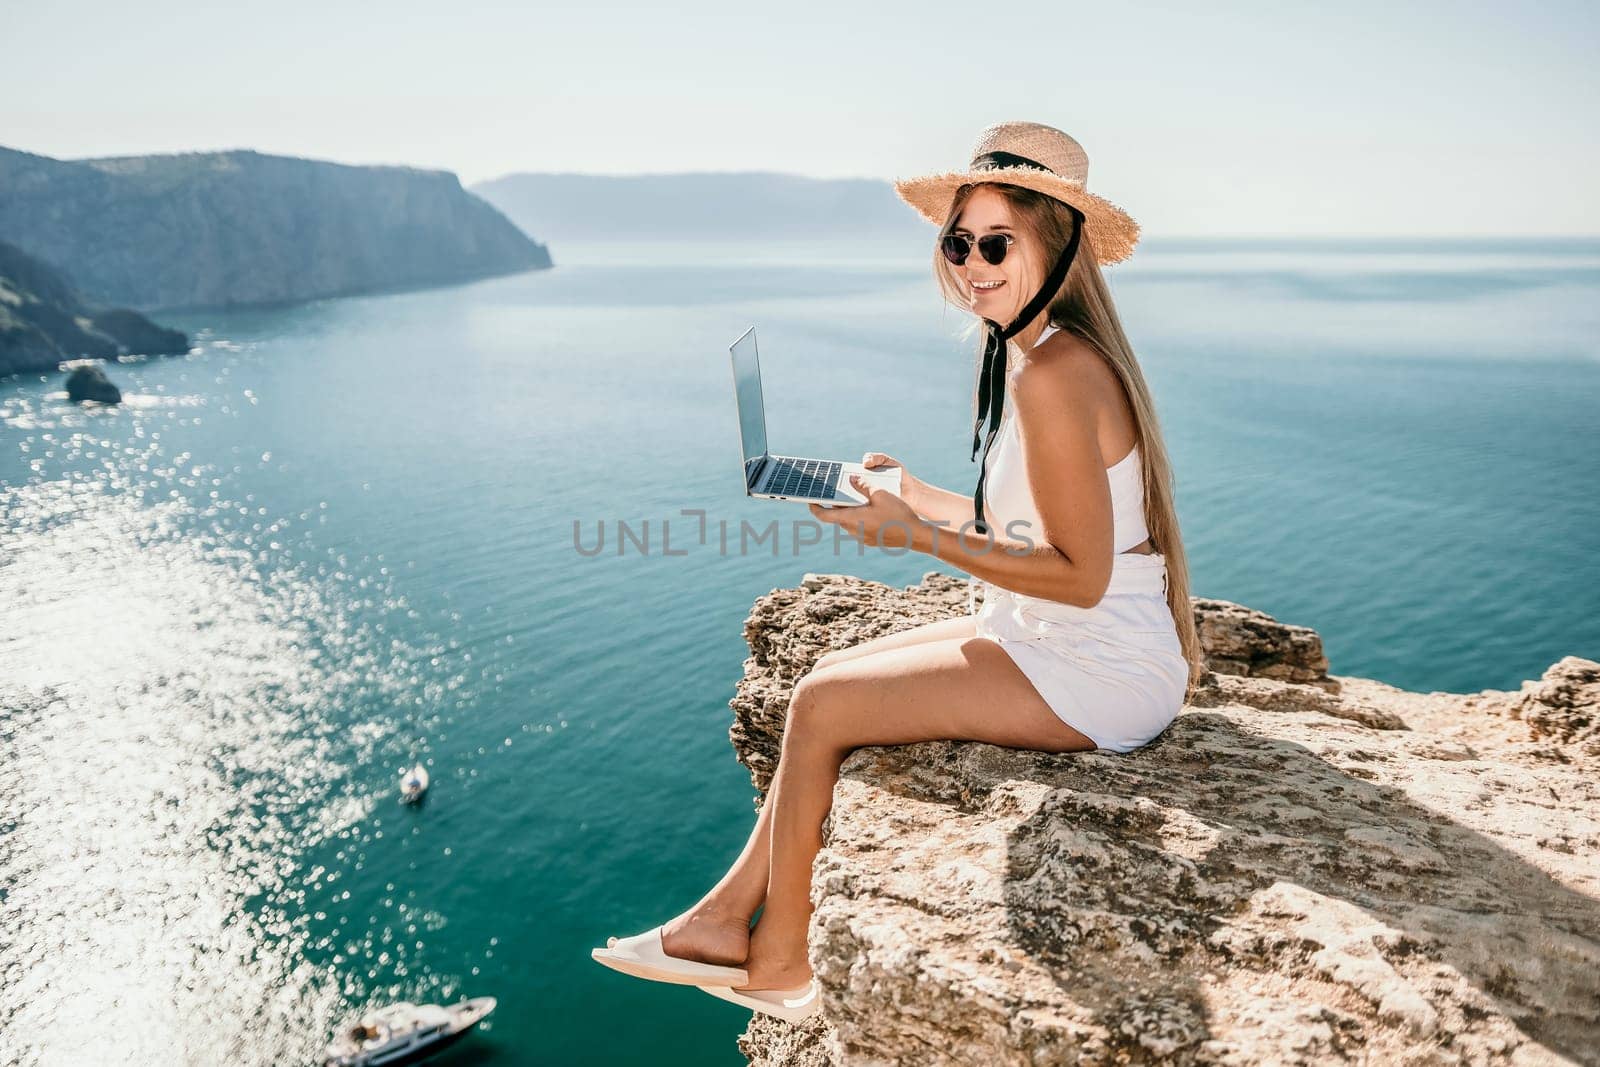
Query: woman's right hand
column 911, row 487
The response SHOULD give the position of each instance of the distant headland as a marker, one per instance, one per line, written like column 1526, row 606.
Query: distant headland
column 736, row 206
column 235, row 228
column 45, row 322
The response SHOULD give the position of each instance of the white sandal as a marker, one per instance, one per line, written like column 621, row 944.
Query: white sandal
column 791, row 1005
column 643, row 956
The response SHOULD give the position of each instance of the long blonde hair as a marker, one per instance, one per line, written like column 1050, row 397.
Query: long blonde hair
column 1083, row 307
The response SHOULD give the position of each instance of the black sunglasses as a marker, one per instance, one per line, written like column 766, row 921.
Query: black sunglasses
column 991, row 246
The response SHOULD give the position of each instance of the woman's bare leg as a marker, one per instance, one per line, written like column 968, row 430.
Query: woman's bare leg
column 962, row 689
column 943, row 630
column 717, row 928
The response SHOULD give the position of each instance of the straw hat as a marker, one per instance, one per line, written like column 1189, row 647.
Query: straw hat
column 1036, row 157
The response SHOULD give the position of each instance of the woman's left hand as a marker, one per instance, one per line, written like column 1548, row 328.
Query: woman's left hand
column 885, row 520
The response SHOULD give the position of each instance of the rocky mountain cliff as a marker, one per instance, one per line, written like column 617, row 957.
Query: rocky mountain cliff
column 1304, row 869
column 691, row 208
column 214, row 229
column 44, row 321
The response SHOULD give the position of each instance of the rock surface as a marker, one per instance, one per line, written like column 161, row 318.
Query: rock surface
column 1302, row 869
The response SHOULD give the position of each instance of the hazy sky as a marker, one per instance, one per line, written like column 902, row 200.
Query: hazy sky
column 1251, row 118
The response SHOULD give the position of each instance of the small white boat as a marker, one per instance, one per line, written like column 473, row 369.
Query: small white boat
column 405, row 1033
column 413, row 784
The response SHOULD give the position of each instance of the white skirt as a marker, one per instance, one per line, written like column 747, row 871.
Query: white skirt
column 1114, row 672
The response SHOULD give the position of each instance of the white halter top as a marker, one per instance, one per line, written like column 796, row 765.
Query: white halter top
column 1009, row 498
column 1125, row 616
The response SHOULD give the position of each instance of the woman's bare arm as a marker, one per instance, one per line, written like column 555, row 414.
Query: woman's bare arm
column 941, row 506
column 931, row 503
column 1069, row 560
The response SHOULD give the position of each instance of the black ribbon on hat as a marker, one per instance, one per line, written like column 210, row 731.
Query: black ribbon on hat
column 994, row 160
column 992, row 379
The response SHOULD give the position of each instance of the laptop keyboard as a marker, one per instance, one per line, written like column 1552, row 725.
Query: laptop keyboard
column 804, row 477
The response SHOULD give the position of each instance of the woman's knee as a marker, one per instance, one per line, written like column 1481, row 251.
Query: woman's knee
column 814, row 705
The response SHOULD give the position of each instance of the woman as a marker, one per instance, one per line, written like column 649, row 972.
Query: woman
column 1085, row 640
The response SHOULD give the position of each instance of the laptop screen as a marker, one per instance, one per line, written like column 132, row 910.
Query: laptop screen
column 747, row 394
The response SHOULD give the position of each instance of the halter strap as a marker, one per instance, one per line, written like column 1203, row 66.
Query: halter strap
column 992, row 379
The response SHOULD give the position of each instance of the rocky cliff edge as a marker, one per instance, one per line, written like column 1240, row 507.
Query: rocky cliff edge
column 1303, row 869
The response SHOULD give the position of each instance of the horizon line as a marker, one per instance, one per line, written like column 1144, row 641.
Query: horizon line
column 1389, row 236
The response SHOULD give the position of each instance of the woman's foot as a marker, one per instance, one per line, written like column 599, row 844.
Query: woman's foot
column 708, row 936
column 775, row 966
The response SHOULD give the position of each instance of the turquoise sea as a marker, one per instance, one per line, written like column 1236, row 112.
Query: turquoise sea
column 340, row 536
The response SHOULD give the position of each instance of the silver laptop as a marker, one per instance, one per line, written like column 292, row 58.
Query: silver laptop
column 818, row 481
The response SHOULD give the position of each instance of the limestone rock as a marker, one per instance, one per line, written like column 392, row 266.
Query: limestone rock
column 1241, row 640
column 1302, row 869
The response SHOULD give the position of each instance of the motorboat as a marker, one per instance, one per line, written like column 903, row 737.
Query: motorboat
column 405, row 1033
column 413, row 784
